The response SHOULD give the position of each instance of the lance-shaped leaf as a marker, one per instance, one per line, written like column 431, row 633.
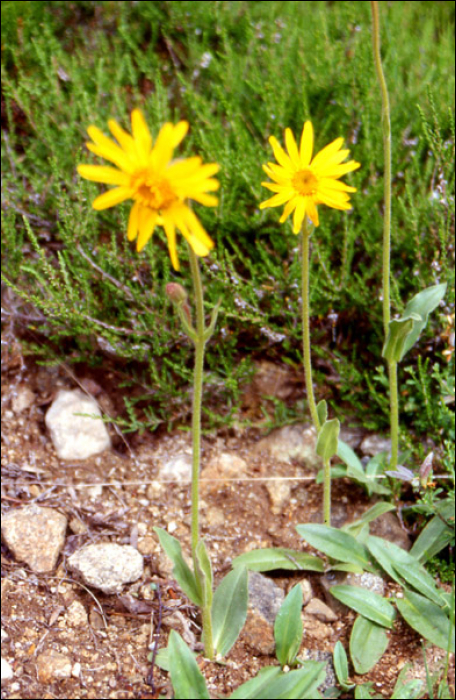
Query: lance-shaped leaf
column 204, row 573
column 181, row 571
column 327, row 439
column 335, row 544
column 405, row 331
column 272, row 558
column 229, row 609
column 288, row 627
column 322, row 411
column 367, row 603
column 368, row 642
column 427, row 619
column 187, row 679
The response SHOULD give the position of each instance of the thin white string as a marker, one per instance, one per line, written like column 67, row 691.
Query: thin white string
column 184, row 482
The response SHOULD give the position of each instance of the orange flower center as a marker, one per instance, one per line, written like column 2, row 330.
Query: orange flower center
column 152, row 191
column 305, row 182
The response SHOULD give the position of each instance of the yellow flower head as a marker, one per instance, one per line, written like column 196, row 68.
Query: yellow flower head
column 303, row 182
column 159, row 186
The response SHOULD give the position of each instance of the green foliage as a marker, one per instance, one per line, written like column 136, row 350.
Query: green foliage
column 228, row 73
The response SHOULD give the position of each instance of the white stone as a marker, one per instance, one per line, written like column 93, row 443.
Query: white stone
column 7, row 671
column 76, row 436
column 107, row 566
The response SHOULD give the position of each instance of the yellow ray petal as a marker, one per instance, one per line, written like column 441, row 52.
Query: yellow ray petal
column 339, row 170
column 108, row 149
column 105, row 174
column 277, row 200
column 133, row 220
column 292, row 148
column 325, row 154
column 170, row 231
column 180, row 131
column 299, row 214
column 306, row 145
column 111, row 198
column 146, row 225
column 141, row 135
column 289, row 207
column 280, row 155
column 124, row 138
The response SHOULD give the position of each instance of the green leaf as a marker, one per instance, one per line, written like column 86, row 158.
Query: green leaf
column 367, row 603
column 253, row 688
column 398, row 341
column 181, row 571
column 269, row 559
column 229, row 609
column 406, row 566
column 204, row 572
column 380, row 552
column 327, row 441
column 367, row 517
column 427, row 619
column 340, row 663
column 322, row 411
column 368, row 642
column 336, row 544
column 434, row 537
column 363, row 692
column 187, row 679
column 288, row 627
column 398, row 332
column 355, row 469
column 302, row 683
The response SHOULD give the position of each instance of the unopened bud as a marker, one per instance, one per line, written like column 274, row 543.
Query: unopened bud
column 176, row 293
column 425, row 469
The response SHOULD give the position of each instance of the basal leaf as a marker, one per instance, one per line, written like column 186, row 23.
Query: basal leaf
column 427, row 619
column 368, row 642
column 229, row 609
column 187, row 679
column 336, row 544
column 269, row 559
column 288, row 627
column 367, row 603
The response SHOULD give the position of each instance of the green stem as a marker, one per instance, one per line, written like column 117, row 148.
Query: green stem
column 199, row 338
column 199, row 343
column 327, row 492
column 306, row 325
column 386, row 126
column 394, row 414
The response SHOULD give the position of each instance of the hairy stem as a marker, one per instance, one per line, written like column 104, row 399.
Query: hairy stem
column 386, row 126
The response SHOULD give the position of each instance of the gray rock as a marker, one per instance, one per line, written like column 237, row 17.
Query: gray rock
column 22, row 399
column 279, row 493
column 373, row 444
column 35, row 535
column 265, row 599
column 177, row 468
column 107, row 566
column 52, row 665
column 75, row 436
column 221, row 471
column 388, row 526
column 320, row 610
column 292, row 442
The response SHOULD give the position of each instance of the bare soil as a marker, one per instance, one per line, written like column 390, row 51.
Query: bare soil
column 116, row 497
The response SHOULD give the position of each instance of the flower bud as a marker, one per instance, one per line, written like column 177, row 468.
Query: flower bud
column 176, row 293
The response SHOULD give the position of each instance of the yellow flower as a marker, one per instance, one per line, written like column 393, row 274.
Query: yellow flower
column 159, row 186
column 303, row 182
